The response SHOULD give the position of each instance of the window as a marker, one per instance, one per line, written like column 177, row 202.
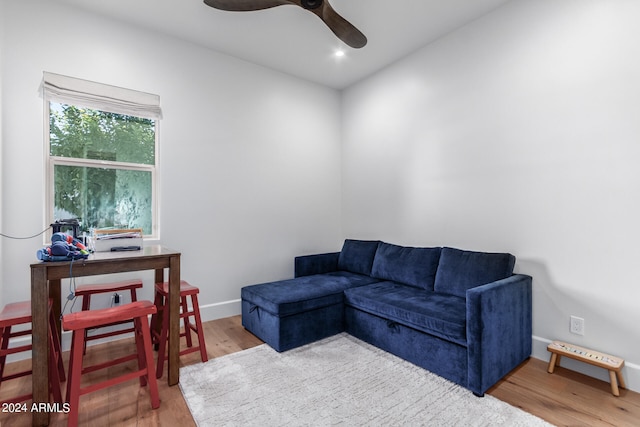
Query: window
column 102, row 156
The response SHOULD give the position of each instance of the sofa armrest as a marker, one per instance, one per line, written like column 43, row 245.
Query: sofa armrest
column 499, row 329
column 308, row 265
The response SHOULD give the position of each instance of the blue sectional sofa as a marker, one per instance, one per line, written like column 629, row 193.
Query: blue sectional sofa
column 460, row 314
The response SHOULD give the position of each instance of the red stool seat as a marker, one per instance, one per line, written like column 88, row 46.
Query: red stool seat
column 160, row 322
column 19, row 313
column 86, row 291
column 81, row 321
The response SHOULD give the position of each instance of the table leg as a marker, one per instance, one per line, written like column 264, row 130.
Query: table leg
column 159, row 278
column 173, row 369
column 40, row 343
column 55, row 289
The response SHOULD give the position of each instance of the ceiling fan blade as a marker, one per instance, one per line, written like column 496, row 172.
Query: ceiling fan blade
column 342, row 28
column 321, row 8
column 245, row 5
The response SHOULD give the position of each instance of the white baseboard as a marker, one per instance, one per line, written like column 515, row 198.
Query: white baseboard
column 630, row 371
column 220, row 310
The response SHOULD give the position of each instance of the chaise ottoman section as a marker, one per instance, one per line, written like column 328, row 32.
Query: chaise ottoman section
column 290, row 313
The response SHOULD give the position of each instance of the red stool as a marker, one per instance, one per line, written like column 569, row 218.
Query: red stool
column 81, row 321
column 19, row 313
column 86, row 291
column 160, row 331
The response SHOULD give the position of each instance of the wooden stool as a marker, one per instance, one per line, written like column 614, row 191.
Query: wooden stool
column 19, row 313
column 160, row 322
column 611, row 363
column 81, row 321
column 86, row 291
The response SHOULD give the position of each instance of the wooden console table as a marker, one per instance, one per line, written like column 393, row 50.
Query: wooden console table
column 46, row 283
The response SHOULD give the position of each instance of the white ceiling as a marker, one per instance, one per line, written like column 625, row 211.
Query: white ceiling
column 295, row 41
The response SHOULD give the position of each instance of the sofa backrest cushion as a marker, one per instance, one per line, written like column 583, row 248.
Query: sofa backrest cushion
column 410, row 266
column 460, row 270
column 357, row 256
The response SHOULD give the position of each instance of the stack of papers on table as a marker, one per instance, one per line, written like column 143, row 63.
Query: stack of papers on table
column 106, row 240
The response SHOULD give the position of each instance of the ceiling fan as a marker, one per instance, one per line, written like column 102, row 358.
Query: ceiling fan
column 321, row 8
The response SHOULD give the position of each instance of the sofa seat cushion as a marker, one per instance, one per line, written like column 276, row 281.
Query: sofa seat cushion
column 287, row 297
column 460, row 270
column 431, row 312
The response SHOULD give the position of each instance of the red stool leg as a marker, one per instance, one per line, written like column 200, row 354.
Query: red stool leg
column 75, row 371
column 140, row 351
column 56, row 348
column 6, row 333
column 153, row 384
column 199, row 331
column 156, row 320
column 55, row 358
column 86, row 304
column 162, row 350
column 185, row 317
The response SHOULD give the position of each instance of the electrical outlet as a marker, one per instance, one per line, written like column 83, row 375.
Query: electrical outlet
column 577, row 325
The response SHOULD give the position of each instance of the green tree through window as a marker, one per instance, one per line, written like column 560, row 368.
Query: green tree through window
column 103, row 167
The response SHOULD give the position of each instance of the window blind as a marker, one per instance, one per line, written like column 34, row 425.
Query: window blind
column 114, row 99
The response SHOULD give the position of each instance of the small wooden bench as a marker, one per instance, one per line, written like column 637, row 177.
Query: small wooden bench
column 611, row 363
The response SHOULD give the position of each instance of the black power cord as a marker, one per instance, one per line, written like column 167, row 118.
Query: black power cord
column 25, row 238
column 72, row 280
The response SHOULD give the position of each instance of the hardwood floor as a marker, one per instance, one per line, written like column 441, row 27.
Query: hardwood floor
column 564, row 398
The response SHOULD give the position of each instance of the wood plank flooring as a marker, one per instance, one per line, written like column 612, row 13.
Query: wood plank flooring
column 564, row 398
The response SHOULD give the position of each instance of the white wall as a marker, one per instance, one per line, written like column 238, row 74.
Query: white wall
column 249, row 166
column 520, row 133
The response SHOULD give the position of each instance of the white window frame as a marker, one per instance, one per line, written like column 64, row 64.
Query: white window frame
column 83, row 93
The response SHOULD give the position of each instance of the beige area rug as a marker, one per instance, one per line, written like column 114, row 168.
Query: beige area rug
column 337, row 381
